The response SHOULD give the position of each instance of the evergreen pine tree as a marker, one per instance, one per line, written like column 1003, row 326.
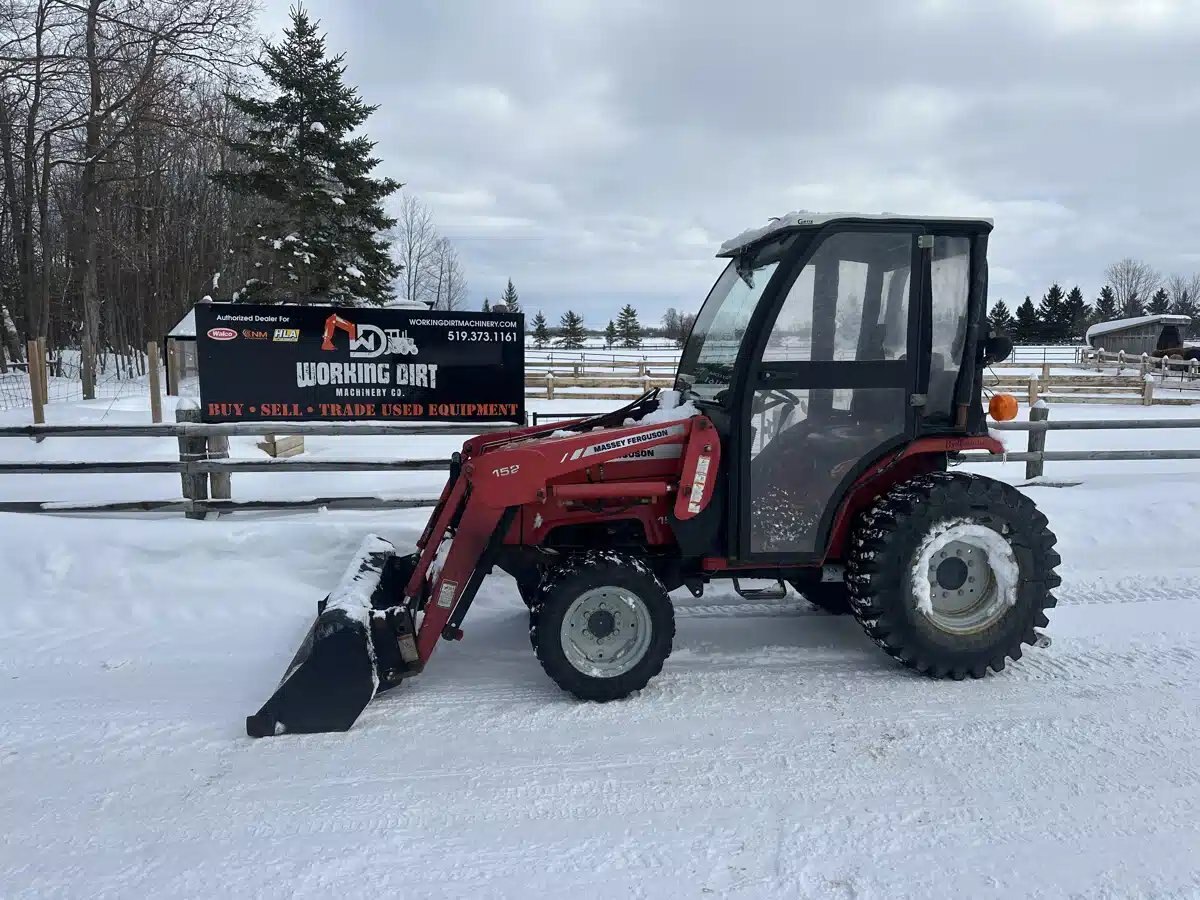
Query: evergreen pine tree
column 541, row 334
column 629, row 329
column 510, row 298
column 610, row 334
column 487, row 305
column 1029, row 329
column 322, row 234
column 1185, row 305
column 1000, row 319
column 1133, row 307
column 1106, row 305
column 1076, row 314
column 571, row 332
column 1159, row 304
column 1051, row 314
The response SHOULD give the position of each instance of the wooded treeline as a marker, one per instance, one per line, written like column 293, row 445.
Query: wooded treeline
column 1132, row 288
column 112, row 116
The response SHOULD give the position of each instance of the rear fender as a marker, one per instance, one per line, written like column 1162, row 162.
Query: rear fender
column 918, row 458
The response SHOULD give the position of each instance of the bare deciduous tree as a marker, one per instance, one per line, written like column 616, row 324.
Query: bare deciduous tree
column 1133, row 281
column 146, row 52
column 416, row 248
column 449, row 285
column 1184, row 291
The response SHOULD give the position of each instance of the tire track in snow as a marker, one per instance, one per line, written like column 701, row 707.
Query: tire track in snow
column 89, row 621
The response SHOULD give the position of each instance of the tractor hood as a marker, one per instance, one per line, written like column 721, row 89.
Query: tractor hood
column 664, row 407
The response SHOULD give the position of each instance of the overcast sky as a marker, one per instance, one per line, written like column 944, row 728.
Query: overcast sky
column 599, row 152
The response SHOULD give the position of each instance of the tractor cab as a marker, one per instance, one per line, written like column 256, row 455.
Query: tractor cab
column 828, row 341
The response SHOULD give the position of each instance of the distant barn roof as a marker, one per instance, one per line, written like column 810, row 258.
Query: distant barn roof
column 1121, row 324
column 185, row 327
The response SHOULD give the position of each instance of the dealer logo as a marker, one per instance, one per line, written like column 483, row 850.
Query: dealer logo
column 222, row 334
column 288, row 335
column 368, row 341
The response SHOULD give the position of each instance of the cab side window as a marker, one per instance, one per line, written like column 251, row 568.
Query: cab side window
column 950, row 279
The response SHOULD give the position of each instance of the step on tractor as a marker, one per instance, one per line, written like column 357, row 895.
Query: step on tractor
column 832, row 377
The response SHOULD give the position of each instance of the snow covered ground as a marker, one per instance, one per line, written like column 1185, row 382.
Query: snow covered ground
column 780, row 754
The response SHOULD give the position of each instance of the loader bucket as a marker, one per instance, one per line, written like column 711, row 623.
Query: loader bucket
column 335, row 673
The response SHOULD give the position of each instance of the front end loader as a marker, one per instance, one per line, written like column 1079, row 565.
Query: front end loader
column 831, row 378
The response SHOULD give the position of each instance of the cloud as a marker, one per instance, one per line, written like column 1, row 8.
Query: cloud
column 599, row 152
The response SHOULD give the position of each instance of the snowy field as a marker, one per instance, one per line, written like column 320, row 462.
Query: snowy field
column 780, row 754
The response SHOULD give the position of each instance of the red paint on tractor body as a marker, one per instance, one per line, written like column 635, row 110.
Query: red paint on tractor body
column 643, row 473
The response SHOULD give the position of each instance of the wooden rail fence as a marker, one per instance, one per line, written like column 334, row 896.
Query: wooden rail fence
column 204, row 467
column 203, row 493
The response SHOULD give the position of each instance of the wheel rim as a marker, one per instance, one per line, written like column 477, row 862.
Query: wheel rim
column 964, row 593
column 606, row 631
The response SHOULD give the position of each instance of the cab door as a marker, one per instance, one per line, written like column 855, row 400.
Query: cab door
column 833, row 382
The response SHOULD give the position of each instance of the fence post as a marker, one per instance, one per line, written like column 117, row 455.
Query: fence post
column 1147, row 390
column 191, row 449
column 1039, row 412
column 645, row 383
column 1033, row 390
column 642, row 368
column 1099, row 359
column 173, row 355
column 550, row 385
column 155, row 387
column 1193, row 368
column 1045, row 370
column 1145, row 364
column 35, row 383
column 45, row 381
column 219, row 482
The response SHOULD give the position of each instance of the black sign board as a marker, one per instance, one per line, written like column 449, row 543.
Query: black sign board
column 337, row 363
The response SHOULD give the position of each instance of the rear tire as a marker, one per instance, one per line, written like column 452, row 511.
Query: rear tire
column 929, row 581
column 603, row 625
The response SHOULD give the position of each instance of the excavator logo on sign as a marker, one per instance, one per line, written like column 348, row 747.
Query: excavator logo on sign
column 368, row 341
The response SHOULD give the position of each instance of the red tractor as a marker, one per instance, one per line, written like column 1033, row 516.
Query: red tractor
column 832, row 375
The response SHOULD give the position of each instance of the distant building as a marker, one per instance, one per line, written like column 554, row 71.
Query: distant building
column 180, row 346
column 1141, row 334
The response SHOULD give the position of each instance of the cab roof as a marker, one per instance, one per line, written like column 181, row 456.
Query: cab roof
column 806, row 219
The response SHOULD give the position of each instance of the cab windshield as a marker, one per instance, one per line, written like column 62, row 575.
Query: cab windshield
column 706, row 366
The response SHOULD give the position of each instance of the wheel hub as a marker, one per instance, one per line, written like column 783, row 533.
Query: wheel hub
column 964, row 595
column 952, row 573
column 606, row 631
column 601, row 624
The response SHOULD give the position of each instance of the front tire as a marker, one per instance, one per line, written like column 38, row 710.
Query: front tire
column 603, row 625
column 528, row 584
column 951, row 573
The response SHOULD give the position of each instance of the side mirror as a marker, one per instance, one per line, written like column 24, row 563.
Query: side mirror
column 997, row 348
